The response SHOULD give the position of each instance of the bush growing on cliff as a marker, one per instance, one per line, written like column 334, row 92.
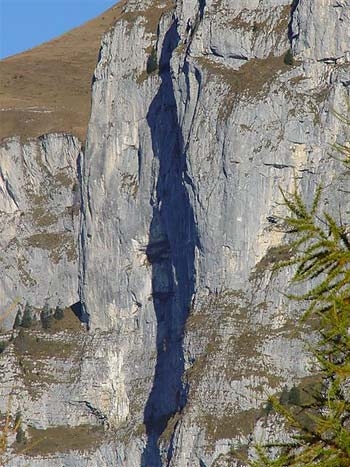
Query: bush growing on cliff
column 288, row 57
column 27, row 319
column 46, row 317
column 59, row 313
column 18, row 320
column 152, row 63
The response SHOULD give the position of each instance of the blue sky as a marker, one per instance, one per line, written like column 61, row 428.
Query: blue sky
column 27, row 23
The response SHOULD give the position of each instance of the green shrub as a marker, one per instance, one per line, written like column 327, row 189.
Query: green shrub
column 59, row 313
column 152, row 63
column 18, row 320
column 27, row 320
column 46, row 317
column 21, row 436
column 288, row 57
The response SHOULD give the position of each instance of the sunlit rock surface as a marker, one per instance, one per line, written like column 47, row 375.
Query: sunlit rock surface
column 199, row 114
column 39, row 212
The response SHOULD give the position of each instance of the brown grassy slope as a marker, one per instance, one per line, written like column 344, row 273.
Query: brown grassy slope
column 48, row 88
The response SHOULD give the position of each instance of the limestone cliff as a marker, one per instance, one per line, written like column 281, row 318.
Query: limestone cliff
column 40, row 204
column 200, row 112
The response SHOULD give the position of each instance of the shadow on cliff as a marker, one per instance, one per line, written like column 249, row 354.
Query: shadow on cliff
column 171, row 250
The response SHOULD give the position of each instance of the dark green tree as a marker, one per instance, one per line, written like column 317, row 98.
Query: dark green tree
column 46, row 316
column 288, row 57
column 18, row 320
column 27, row 320
column 152, row 63
column 59, row 313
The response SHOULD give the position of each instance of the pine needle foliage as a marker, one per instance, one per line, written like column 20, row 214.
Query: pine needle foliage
column 321, row 258
column 322, row 254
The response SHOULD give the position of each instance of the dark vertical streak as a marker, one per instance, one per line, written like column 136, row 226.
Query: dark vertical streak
column 171, row 248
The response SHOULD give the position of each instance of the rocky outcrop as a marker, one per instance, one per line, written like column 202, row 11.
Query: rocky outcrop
column 40, row 204
column 192, row 226
column 200, row 113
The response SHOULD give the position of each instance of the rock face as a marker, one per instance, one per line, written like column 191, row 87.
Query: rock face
column 40, row 204
column 199, row 114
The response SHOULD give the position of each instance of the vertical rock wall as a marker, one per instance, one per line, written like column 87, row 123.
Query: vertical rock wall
column 193, row 130
column 199, row 114
column 39, row 211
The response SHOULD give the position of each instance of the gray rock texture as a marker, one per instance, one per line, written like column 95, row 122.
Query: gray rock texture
column 196, row 122
column 321, row 31
column 39, row 223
